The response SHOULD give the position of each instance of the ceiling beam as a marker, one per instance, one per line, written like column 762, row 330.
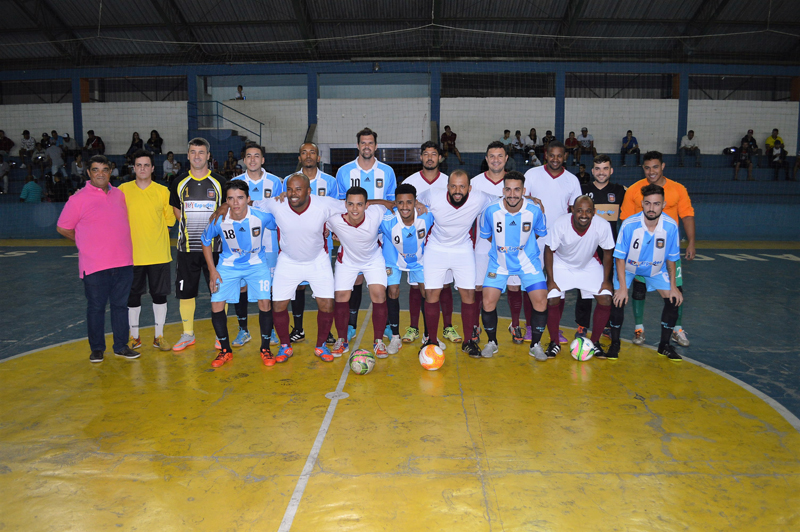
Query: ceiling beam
column 55, row 30
column 179, row 27
column 303, row 19
column 572, row 14
column 698, row 25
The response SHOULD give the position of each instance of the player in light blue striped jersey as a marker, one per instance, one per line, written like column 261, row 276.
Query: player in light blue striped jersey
column 404, row 234
column 246, row 245
column 648, row 245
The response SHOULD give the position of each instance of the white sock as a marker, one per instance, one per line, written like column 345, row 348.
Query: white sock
column 133, row 320
column 160, row 313
column 638, row 326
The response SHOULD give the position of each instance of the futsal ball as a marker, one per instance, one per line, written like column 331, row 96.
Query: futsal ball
column 431, row 357
column 581, row 349
column 361, row 362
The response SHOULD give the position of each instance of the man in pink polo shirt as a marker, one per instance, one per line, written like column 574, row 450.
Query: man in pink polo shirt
column 96, row 218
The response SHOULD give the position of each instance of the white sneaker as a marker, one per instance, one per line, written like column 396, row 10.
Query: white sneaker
column 538, row 353
column 680, row 338
column 442, row 345
column 638, row 337
column 394, row 346
column 380, row 349
column 489, row 350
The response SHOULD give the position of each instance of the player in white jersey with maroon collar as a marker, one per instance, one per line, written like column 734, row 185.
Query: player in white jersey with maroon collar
column 491, row 182
column 427, row 178
column 557, row 188
column 449, row 247
column 570, row 261
column 357, row 230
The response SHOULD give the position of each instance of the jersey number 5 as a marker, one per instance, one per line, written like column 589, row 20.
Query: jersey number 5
column 499, row 227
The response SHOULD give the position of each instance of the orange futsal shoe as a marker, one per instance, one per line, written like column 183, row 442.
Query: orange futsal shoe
column 267, row 357
column 222, row 357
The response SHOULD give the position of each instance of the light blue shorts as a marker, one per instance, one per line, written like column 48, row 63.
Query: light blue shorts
column 258, row 279
column 414, row 276
column 530, row 281
column 659, row 282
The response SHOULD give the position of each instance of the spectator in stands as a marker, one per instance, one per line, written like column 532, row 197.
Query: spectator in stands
column 4, row 169
column 94, row 145
column 45, row 141
column 169, row 166
column 31, row 192
column 229, row 168
column 771, row 140
column 630, row 146
column 586, row 142
column 449, row 144
column 154, row 143
column 38, row 158
column 571, row 145
column 742, row 158
column 55, row 158
column 507, row 140
column 26, row 147
column 533, row 160
column 690, row 145
column 517, row 143
column 78, row 171
column 547, row 139
column 60, row 192
column 136, row 145
column 70, row 146
column 6, row 144
column 54, row 136
column 114, row 172
column 583, row 176
column 777, row 159
column 753, row 146
column 240, row 93
column 533, row 142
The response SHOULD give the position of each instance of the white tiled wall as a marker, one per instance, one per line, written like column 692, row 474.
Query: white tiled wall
column 285, row 122
column 479, row 121
column 719, row 124
column 36, row 118
column 115, row 123
column 654, row 122
column 396, row 120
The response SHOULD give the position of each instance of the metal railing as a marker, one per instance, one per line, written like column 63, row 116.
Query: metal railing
column 210, row 115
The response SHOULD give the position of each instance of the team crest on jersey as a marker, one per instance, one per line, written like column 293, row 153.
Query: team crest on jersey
column 526, row 227
column 421, row 233
column 379, row 183
column 388, row 271
column 211, row 193
column 492, row 275
column 268, row 193
column 320, row 192
column 256, row 231
column 612, row 198
column 659, row 243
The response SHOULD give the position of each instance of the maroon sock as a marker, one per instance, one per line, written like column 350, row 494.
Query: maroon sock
column 432, row 320
column 341, row 314
column 324, row 321
column 380, row 313
column 281, row 323
column 601, row 315
column 468, row 318
column 528, row 306
column 515, row 304
column 553, row 319
column 478, row 301
column 446, row 303
column 414, row 306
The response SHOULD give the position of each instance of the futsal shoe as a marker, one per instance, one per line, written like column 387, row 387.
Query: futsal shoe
column 324, row 353
column 613, row 351
column 284, row 353
column 517, row 336
column 351, row 332
column 136, row 343
column 223, row 356
column 161, row 344
column 380, row 349
column 638, row 337
column 394, row 345
column 598, row 352
column 680, row 338
column 412, row 333
column 537, row 352
column 476, row 333
column 666, row 350
column 471, row 348
column 581, row 332
column 274, row 337
column 450, row 333
column 183, row 342
column 340, row 348
column 330, row 341
column 242, row 338
column 128, row 353
column 297, row 335
column 553, row 349
column 387, row 332
column 489, row 349
column 561, row 338
column 96, row 356
column 267, row 357
column 425, row 341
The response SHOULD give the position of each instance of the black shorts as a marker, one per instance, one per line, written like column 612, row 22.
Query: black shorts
column 187, row 273
column 153, row 276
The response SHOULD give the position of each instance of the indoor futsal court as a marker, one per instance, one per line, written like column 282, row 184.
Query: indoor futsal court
column 209, row 91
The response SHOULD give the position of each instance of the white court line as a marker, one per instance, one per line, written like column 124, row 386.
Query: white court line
column 300, row 487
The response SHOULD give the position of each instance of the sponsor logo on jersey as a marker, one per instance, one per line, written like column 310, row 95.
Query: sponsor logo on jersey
column 268, row 193
column 254, row 189
column 508, row 249
column 379, row 183
column 612, row 198
column 513, row 223
column 526, row 227
column 198, row 206
column 211, row 193
column 241, row 229
column 256, row 231
column 320, row 192
column 644, row 263
column 421, row 233
column 659, row 243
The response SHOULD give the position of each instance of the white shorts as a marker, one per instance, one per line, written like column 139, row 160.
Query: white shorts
column 438, row 261
column 344, row 277
column 290, row 273
column 482, row 266
column 588, row 280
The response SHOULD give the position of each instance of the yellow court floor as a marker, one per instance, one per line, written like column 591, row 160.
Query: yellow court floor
column 166, row 443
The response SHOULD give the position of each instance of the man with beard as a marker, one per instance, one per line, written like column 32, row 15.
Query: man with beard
column 378, row 179
column 678, row 206
column 427, row 178
column 648, row 246
column 320, row 184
